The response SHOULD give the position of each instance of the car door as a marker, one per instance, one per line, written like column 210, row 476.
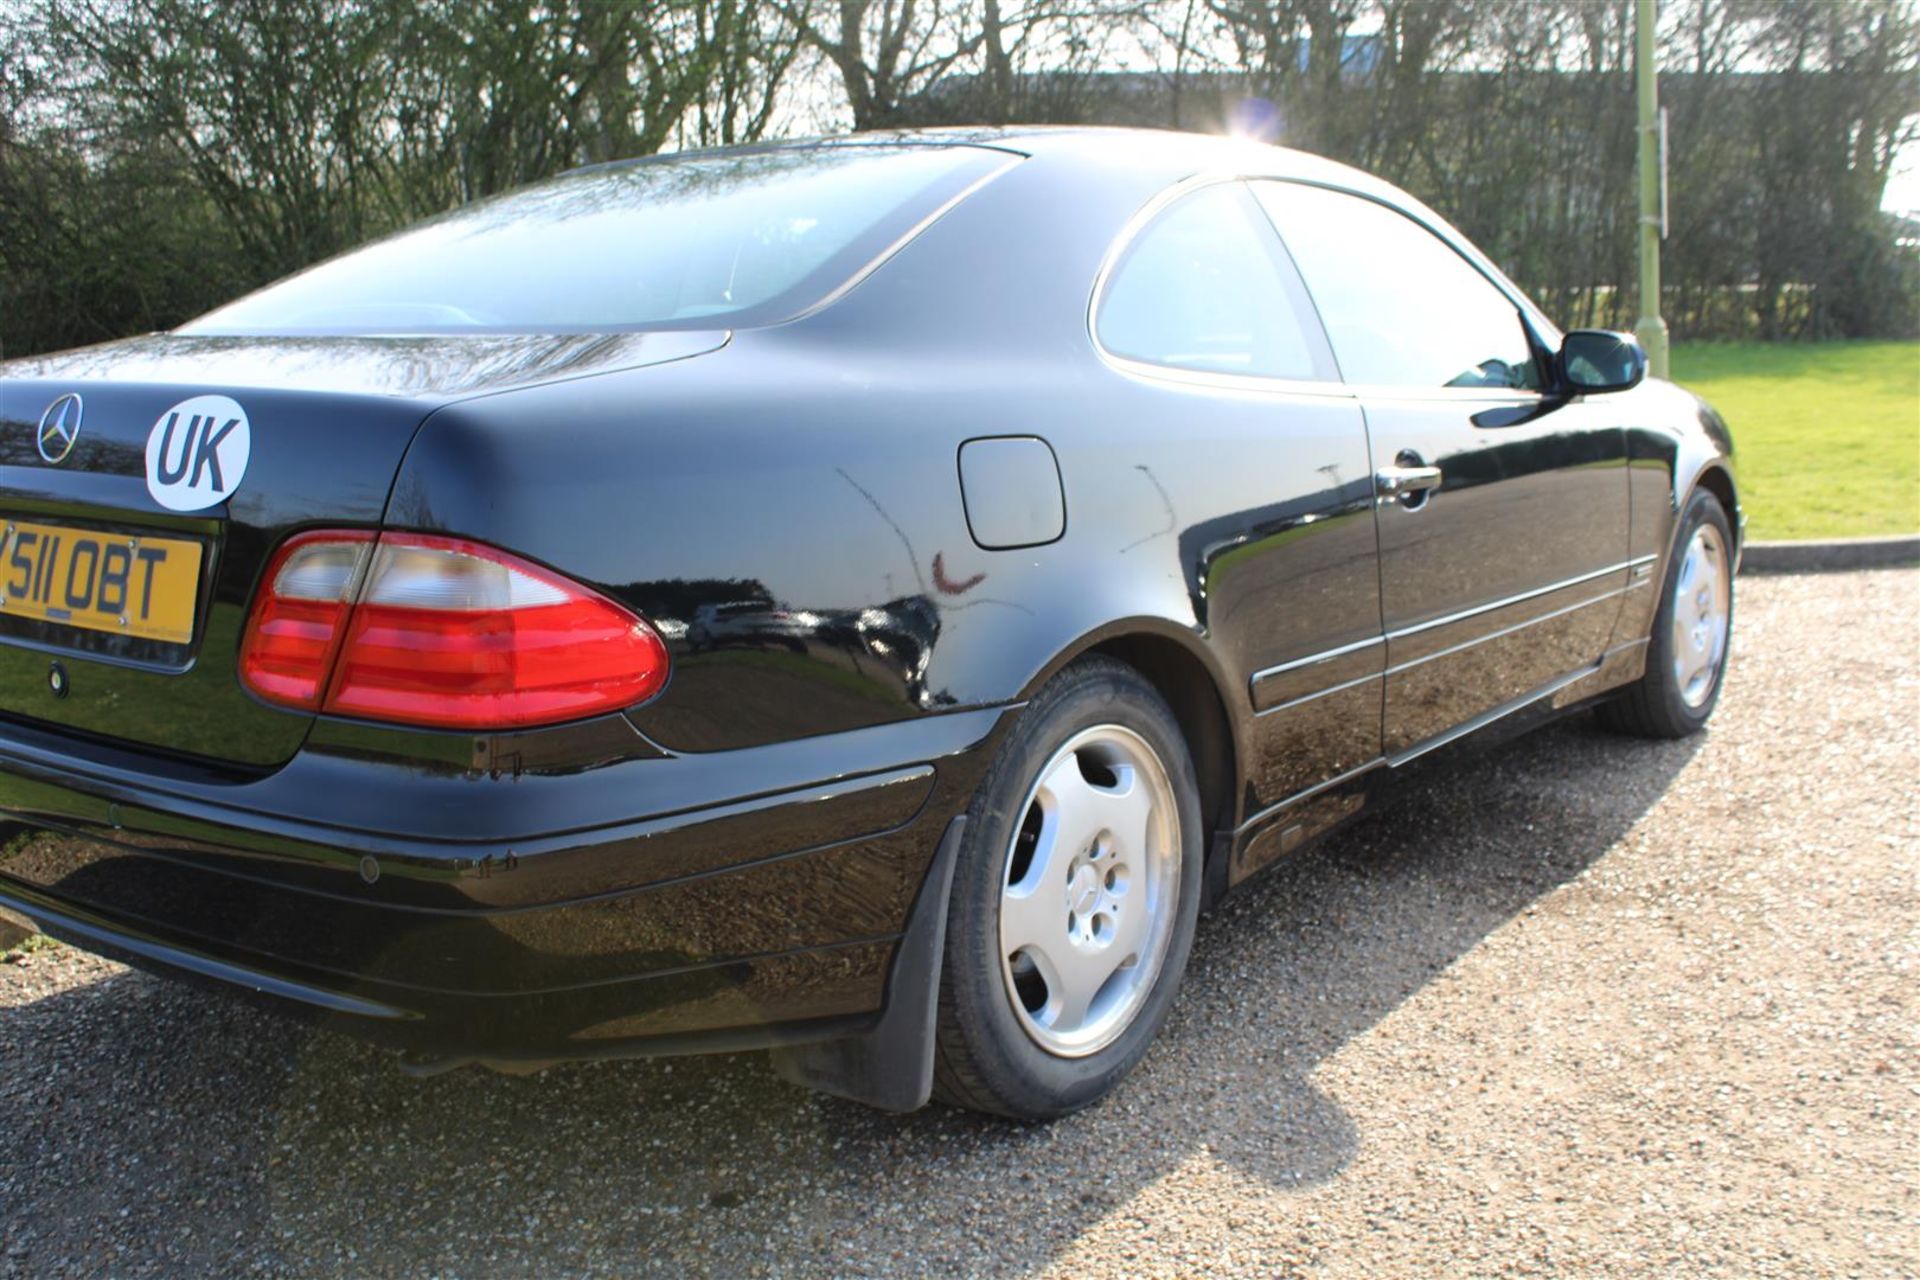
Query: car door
column 1502, row 510
column 1268, row 466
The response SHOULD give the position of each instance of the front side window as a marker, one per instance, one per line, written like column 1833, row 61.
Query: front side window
column 1206, row 286
column 1400, row 306
column 702, row 242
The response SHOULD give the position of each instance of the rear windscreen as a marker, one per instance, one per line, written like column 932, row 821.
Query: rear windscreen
column 716, row 241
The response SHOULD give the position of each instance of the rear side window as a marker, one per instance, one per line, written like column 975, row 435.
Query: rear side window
column 1401, row 306
column 701, row 242
column 1206, row 286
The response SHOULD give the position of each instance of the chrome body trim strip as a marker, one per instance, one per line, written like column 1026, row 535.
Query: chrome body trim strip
column 1248, row 382
column 1329, row 691
column 1414, row 752
column 1464, row 645
column 1323, row 656
column 1360, row 646
column 1521, row 598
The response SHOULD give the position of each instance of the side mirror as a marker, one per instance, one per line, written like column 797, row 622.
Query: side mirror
column 1594, row 360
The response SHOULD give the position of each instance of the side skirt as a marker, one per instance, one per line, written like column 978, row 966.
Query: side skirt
column 1305, row 818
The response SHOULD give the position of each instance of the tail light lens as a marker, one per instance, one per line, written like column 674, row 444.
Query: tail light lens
column 424, row 630
column 300, row 617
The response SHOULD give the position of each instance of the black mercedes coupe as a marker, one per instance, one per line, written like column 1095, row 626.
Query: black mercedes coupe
column 860, row 599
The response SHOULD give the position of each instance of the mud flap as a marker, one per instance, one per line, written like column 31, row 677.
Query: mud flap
column 891, row 1066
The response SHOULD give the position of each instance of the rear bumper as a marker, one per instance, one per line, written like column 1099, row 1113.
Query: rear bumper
column 752, row 898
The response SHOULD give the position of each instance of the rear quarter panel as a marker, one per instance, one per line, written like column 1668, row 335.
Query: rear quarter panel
column 794, row 526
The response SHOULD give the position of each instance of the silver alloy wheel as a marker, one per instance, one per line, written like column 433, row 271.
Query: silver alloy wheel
column 1092, row 887
column 1702, row 604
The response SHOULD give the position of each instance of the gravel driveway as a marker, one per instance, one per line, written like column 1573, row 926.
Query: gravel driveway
column 1591, row 1005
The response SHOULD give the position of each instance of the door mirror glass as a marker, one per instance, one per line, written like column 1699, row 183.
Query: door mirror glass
column 1601, row 360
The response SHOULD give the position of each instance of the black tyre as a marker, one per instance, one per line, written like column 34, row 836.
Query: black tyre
column 1074, row 899
column 1692, row 632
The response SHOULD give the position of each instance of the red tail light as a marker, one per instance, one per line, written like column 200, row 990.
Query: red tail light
column 300, row 617
column 423, row 630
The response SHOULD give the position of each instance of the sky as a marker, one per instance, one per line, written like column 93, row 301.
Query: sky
column 1903, row 188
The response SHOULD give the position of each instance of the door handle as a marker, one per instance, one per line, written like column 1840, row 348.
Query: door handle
column 1409, row 479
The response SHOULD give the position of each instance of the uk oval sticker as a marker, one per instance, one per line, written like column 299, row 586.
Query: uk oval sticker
column 197, row 453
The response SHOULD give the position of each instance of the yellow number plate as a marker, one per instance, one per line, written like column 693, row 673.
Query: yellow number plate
column 100, row 581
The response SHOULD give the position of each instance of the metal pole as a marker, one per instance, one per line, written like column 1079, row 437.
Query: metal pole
column 1651, row 328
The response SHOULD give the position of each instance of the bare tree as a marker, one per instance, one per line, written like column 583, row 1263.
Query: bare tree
column 756, row 51
column 885, row 51
column 185, row 150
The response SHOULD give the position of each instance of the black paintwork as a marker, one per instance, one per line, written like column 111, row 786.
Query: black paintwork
column 735, row 861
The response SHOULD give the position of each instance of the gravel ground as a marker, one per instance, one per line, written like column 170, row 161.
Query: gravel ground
column 1589, row 1006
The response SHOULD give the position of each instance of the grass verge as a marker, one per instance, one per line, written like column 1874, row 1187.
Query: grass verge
column 1827, row 435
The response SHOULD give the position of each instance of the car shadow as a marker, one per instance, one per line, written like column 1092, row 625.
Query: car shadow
column 149, row 1126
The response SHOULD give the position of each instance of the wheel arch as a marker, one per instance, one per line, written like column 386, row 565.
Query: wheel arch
column 1717, row 480
column 1175, row 661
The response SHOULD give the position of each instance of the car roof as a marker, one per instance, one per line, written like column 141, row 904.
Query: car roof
column 1175, row 153
column 1164, row 157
